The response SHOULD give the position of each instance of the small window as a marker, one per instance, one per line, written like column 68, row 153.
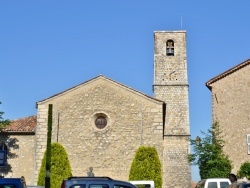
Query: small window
column 3, row 154
column 78, row 186
column 122, row 186
column 212, row 185
column 224, row 184
column 101, row 122
column 170, row 48
column 248, row 144
column 99, row 186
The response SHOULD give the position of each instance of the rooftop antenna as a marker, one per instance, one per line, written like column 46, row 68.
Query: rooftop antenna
column 181, row 21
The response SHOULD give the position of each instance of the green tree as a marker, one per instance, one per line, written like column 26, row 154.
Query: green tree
column 209, row 155
column 60, row 166
column 244, row 170
column 48, row 157
column 146, row 166
column 9, row 142
column 3, row 122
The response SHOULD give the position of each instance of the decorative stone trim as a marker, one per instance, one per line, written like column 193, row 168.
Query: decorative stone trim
column 100, row 121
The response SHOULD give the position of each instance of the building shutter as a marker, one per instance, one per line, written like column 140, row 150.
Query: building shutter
column 248, row 144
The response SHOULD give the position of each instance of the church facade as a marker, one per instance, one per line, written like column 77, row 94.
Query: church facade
column 101, row 123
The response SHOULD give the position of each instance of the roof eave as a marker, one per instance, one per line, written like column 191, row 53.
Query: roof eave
column 17, row 133
column 110, row 80
column 226, row 73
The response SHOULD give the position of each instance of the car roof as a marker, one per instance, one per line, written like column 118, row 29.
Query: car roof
column 82, row 179
column 11, row 179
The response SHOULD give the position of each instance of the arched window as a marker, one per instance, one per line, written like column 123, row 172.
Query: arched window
column 170, row 48
column 3, row 154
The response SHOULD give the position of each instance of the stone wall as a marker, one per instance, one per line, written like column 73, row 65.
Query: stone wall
column 21, row 160
column 231, row 108
column 133, row 120
column 170, row 69
column 171, row 86
column 176, row 168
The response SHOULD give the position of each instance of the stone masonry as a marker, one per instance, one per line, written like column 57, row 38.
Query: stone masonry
column 171, row 86
column 22, row 159
column 133, row 120
column 101, row 123
column 231, row 109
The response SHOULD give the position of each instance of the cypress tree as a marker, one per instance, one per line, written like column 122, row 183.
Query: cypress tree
column 146, row 166
column 48, row 157
column 60, row 166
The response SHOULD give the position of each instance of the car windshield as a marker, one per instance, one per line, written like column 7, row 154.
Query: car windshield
column 7, row 186
column 246, row 185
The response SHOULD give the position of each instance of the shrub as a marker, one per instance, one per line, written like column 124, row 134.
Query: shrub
column 146, row 166
column 60, row 167
column 244, row 170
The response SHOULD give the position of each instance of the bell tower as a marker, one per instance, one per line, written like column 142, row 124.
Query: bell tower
column 171, row 86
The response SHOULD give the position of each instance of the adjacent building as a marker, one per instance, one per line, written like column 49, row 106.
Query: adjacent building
column 231, row 109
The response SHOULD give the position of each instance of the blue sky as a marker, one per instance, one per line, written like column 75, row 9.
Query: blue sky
column 49, row 46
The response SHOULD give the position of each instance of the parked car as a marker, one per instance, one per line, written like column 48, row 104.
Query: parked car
column 12, row 182
column 240, row 185
column 213, row 183
column 95, row 182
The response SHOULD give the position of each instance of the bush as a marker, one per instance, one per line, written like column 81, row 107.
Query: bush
column 146, row 166
column 244, row 171
column 60, row 167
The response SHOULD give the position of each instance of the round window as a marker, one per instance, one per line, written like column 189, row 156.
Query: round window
column 100, row 122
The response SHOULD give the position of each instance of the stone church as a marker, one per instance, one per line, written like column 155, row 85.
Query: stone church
column 101, row 123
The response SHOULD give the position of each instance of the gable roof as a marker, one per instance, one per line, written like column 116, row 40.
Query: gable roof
column 226, row 73
column 23, row 125
column 107, row 79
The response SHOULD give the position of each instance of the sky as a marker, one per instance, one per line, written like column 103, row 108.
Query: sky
column 47, row 47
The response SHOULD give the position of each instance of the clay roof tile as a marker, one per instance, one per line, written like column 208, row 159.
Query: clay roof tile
column 27, row 124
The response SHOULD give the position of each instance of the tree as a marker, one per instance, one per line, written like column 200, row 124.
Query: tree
column 60, row 166
column 7, row 142
column 3, row 122
column 209, row 155
column 48, row 157
column 244, row 170
column 146, row 166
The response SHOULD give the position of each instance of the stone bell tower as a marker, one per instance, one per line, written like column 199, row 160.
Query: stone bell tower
column 171, row 86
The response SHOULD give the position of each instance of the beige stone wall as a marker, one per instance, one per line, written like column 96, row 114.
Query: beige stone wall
column 177, row 109
column 22, row 164
column 171, row 83
column 176, row 168
column 171, row 86
column 170, row 69
column 133, row 120
column 231, row 108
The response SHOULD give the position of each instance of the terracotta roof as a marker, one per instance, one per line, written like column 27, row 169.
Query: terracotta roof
column 226, row 73
column 27, row 124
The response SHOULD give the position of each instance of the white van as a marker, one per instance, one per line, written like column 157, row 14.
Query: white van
column 213, row 183
column 144, row 183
